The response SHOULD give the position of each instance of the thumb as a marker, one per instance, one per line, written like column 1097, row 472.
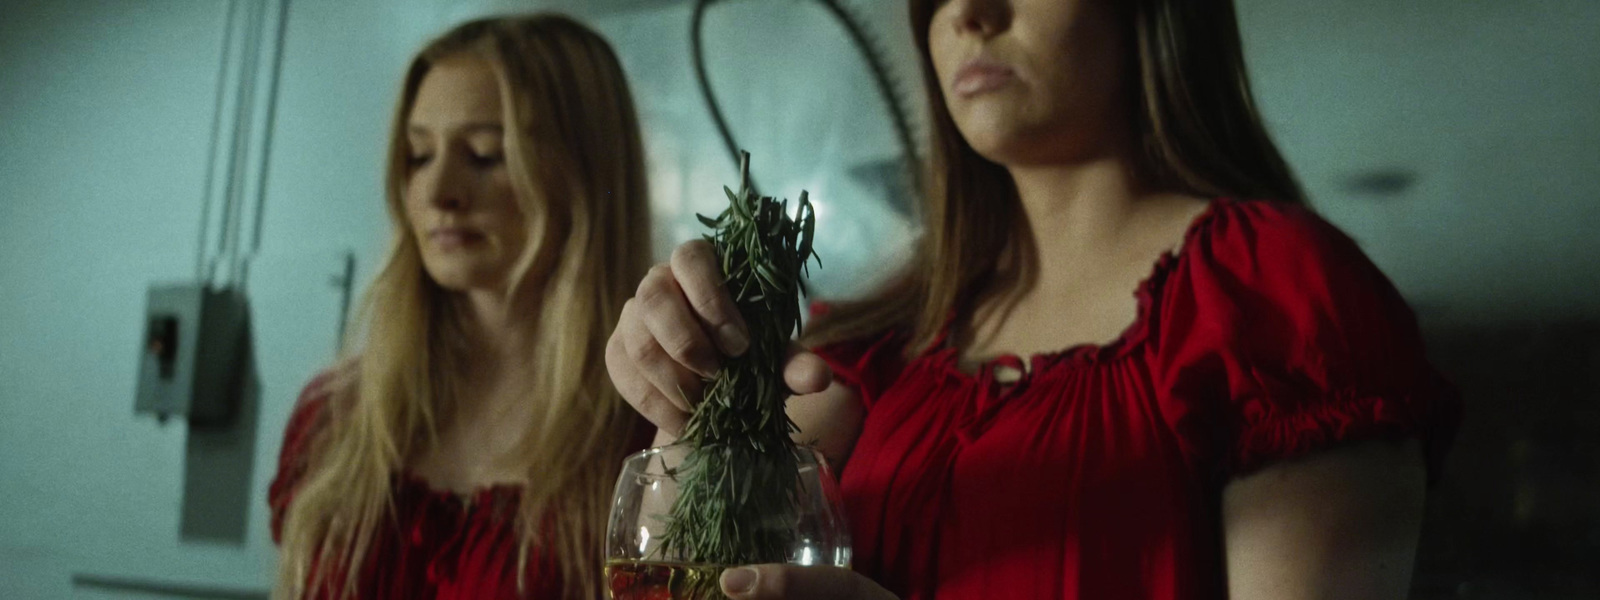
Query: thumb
column 793, row 582
column 805, row 372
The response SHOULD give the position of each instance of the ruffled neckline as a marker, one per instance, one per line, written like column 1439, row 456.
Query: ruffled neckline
column 414, row 487
column 1088, row 353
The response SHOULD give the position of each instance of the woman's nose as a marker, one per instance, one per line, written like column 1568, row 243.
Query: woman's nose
column 442, row 187
column 984, row 18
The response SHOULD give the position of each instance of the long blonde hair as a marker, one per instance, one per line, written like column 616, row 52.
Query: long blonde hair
column 576, row 163
column 1196, row 125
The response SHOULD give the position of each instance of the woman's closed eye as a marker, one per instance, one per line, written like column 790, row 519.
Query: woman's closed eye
column 486, row 159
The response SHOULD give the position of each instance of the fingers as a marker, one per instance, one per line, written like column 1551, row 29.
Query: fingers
column 805, row 372
column 670, row 413
column 695, row 266
column 792, row 582
column 646, row 374
column 672, row 334
column 656, row 365
column 664, row 312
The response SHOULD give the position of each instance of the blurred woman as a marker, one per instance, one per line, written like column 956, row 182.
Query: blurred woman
column 468, row 447
column 1126, row 361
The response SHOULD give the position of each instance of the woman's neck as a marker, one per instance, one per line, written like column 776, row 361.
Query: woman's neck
column 1078, row 214
column 497, row 327
column 1093, row 219
column 500, row 345
column 493, row 410
column 1095, row 232
column 1070, row 208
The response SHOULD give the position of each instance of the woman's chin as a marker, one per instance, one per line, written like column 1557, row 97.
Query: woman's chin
column 997, row 140
column 1024, row 147
column 466, row 278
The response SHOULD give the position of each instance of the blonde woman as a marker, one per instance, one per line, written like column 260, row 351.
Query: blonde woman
column 468, row 447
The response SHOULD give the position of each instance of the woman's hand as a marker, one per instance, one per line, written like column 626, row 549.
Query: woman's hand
column 662, row 350
column 791, row 582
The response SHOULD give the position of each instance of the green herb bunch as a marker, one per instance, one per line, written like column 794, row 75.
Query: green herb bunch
column 739, row 484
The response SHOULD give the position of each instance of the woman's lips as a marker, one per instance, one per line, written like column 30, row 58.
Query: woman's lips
column 449, row 238
column 980, row 76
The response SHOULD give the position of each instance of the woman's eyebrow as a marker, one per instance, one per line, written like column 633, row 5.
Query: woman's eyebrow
column 486, row 126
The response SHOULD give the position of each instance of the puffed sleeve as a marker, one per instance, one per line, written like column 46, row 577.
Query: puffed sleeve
column 1279, row 338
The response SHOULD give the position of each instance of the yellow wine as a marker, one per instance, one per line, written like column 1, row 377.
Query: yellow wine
column 644, row 580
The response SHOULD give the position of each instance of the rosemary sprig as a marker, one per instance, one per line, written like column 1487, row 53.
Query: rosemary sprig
column 739, row 485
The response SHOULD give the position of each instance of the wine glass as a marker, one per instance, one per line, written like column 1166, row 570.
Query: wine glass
column 640, row 567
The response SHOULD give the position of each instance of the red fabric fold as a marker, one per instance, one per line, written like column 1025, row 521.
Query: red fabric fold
column 437, row 544
column 1099, row 473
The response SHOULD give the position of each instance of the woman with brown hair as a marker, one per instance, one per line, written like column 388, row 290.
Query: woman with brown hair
column 1125, row 363
column 468, row 447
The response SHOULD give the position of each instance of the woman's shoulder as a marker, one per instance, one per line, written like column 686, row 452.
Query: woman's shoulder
column 312, row 404
column 307, row 422
column 1244, row 228
column 1281, row 249
column 1279, row 278
column 1282, row 315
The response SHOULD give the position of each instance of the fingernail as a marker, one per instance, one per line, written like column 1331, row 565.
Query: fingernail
column 733, row 340
column 705, row 367
column 738, row 581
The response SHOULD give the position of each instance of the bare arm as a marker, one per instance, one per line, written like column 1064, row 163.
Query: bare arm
column 1341, row 524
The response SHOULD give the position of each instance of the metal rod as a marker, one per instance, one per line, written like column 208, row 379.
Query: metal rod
column 165, row 588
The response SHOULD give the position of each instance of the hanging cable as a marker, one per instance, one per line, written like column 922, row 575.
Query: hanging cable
column 208, row 197
column 877, row 65
column 696, row 21
column 274, row 74
column 241, row 140
column 227, row 241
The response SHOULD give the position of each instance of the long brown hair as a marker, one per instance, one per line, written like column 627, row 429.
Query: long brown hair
column 1198, row 132
column 576, row 163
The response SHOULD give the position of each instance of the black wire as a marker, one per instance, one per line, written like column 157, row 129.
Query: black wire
column 696, row 20
column 876, row 64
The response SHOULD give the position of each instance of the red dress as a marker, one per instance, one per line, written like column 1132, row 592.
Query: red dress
column 1098, row 475
column 439, row 545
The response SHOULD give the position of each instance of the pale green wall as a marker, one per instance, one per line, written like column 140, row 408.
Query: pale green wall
column 105, row 117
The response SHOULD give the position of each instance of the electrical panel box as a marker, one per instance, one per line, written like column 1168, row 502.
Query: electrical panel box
column 193, row 344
